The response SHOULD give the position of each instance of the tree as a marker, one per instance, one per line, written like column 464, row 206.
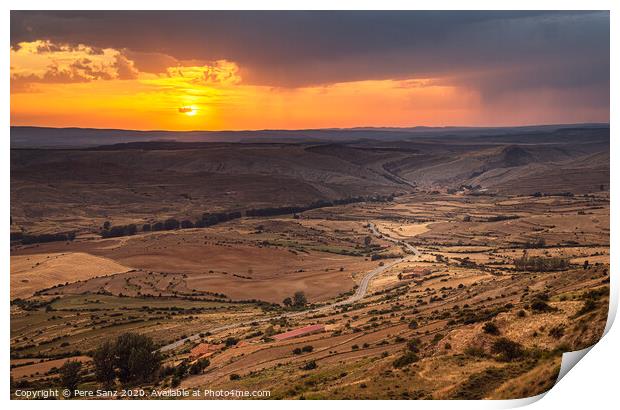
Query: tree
column 70, row 375
column 198, row 366
column 186, row 224
column 104, row 360
column 231, row 341
column 299, row 299
column 132, row 357
column 137, row 359
column 171, row 223
column 106, row 225
column 367, row 241
column 287, row 302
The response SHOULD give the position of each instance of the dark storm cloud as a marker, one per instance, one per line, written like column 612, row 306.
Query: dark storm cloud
column 495, row 52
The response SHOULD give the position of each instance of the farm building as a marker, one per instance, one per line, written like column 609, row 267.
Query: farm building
column 203, row 349
column 302, row 331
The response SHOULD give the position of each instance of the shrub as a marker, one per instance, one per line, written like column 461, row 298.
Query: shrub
column 507, row 350
column 405, row 359
column 231, row 341
column 413, row 345
column 557, row 331
column 235, row 376
column 311, row 365
column 540, row 306
column 491, row 328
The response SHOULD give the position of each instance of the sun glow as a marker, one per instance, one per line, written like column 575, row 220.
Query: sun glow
column 188, row 110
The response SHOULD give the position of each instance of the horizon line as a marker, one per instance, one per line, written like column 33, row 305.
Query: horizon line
column 361, row 127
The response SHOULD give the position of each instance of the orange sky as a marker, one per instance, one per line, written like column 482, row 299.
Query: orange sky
column 59, row 85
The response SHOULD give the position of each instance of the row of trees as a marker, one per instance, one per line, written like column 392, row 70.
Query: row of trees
column 541, row 264
column 47, row 237
column 285, row 210
column 210, row 219
column 131, row 359
column 298, row 300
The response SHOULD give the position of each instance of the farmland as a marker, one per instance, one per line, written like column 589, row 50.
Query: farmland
column 438, row 291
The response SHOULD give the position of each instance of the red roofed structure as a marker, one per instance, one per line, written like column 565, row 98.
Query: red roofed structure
column 203, row 349
column 302, row 331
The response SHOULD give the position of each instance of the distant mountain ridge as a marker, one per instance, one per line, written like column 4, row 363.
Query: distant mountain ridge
column 47, row 137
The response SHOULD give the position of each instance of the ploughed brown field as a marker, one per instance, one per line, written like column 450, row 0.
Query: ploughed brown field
column 464, row 243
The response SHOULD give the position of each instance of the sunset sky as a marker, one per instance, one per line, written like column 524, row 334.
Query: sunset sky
column 293, row 70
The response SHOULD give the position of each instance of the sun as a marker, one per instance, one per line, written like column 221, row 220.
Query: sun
column 188, row 110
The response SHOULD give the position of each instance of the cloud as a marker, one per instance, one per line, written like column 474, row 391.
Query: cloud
column 221, row 72
column 125, row 68
column 295, row 48
column 536, row 62
column 42, row 61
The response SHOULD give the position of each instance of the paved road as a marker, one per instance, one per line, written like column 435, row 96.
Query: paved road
column 359, row 294
column 406, row 245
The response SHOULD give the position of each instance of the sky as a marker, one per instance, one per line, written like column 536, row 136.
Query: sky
column 233, row 70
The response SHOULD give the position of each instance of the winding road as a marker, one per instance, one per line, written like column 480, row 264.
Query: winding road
column 359, row 294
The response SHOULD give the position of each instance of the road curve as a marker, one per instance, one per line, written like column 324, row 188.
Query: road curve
column 359, row 294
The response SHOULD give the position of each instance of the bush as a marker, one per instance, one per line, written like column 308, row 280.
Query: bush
column 540, row 306
column 557, row 331
column 588, row 306
column 413, row 345
column 311, row 365
column 405, row 359
column 507, row 350
column 231, row 341
column 307, row 349
column 235, row 376
column 491, row 328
